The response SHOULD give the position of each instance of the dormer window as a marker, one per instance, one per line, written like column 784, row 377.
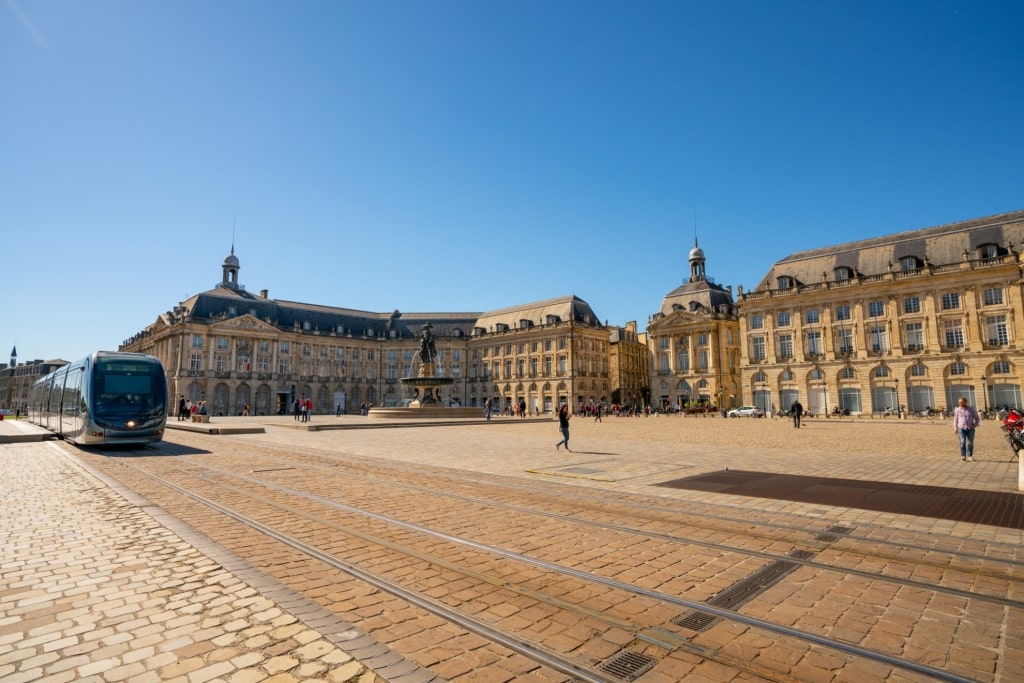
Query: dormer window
column 551, row 319
column 457, row 333
column 306, row 326
column 785, row 282
column 990, row 250
column 843, row 273
column 909, row 264
column 523, row 324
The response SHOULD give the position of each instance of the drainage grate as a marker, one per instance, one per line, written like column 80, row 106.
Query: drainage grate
column 628, row 666
column 696, row 621
column 831, row 533
column 742, row 591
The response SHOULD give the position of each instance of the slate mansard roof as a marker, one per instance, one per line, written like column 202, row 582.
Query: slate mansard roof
column 935, row 246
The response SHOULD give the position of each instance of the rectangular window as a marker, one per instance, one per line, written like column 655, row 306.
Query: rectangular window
column 664, row 343
column 222, row 362
column 702, row 339
column 785, row 346
column 876, row 309
column 757, row 322
column 285, row 347
column 783, row 319
column 844, row 342
column 392, row 371
column 683, row 361
column 842, row 312
column 264, row 346
column 195, row 362
column 508, row 369
column 992, row 297
column 456, row 370
column 702, row 359
column 950, row 301
column 812, row 316
column 757, row 351
column 911, row 305
column 915, row 336
column 878, row 338
column 547, row 366
column 282, row 366
column 814, row 346
column 1001, row 367
column 222, row 343
column 197, row 342
column 953, row 333
column 339, row 354
column 995, row 325
column 263, row 364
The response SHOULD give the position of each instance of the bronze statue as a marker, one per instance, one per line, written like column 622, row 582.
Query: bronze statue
column 428, row 352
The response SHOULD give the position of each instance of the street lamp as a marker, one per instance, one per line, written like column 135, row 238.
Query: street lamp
column 899, row 411
column 984, row 392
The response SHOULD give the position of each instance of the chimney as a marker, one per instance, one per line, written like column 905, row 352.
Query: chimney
column 264, row 293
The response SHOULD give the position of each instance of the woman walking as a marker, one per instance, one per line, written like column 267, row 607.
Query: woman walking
column 563, row 426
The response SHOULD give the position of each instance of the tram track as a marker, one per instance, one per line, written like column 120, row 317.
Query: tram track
column 824, row 539
column 240, row 498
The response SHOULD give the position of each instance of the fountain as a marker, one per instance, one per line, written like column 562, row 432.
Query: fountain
column 427, row 401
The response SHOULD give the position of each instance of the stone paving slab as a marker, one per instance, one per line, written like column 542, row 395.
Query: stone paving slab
column 96, row 587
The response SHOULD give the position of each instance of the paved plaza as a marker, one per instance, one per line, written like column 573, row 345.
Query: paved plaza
column 96, row 584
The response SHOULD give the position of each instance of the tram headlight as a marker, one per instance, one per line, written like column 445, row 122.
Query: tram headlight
column 130, row 424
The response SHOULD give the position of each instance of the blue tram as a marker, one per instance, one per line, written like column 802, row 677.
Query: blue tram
column 105, row 398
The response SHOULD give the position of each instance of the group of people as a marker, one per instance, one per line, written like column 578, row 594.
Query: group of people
column 187, row 409
column 302, row 409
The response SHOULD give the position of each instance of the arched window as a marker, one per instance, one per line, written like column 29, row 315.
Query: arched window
column 848, row 373
column 759, row 378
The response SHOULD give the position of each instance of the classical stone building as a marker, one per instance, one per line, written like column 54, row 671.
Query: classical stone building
column 233, row 348
column 694, row 344
column 16, row 380
column 629, row 366
column 914, row 319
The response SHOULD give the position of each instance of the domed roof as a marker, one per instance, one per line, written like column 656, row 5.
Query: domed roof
column 231, row 261
column 696, row 253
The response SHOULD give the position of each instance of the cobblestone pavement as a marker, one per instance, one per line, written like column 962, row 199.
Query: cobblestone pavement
column 97, row 585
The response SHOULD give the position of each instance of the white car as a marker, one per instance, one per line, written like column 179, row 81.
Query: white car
column 746, row 411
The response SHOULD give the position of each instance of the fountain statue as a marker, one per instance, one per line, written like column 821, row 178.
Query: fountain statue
column 427, row 401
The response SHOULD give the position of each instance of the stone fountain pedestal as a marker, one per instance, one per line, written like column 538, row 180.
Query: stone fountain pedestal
column 427, row 402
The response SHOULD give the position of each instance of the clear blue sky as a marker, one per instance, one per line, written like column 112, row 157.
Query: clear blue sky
column 449, row 155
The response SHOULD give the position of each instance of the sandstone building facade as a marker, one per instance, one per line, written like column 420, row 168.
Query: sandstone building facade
column 694, row 344
column 236, row 349
column 915, row 319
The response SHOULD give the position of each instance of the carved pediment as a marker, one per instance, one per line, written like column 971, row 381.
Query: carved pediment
column 245, row 322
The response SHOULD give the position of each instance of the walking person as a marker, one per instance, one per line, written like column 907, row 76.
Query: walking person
column 965, row 420
column 182, row 408
column 796, row 410
column 563, row 426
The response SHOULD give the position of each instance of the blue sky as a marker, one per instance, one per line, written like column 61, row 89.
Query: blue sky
column 466, row 155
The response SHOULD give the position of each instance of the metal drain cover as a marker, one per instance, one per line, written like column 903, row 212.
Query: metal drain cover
column 628, row 665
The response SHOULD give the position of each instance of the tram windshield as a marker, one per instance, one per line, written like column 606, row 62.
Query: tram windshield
column 128, row 388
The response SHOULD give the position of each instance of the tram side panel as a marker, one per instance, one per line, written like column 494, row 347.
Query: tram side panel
column 72, row 404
